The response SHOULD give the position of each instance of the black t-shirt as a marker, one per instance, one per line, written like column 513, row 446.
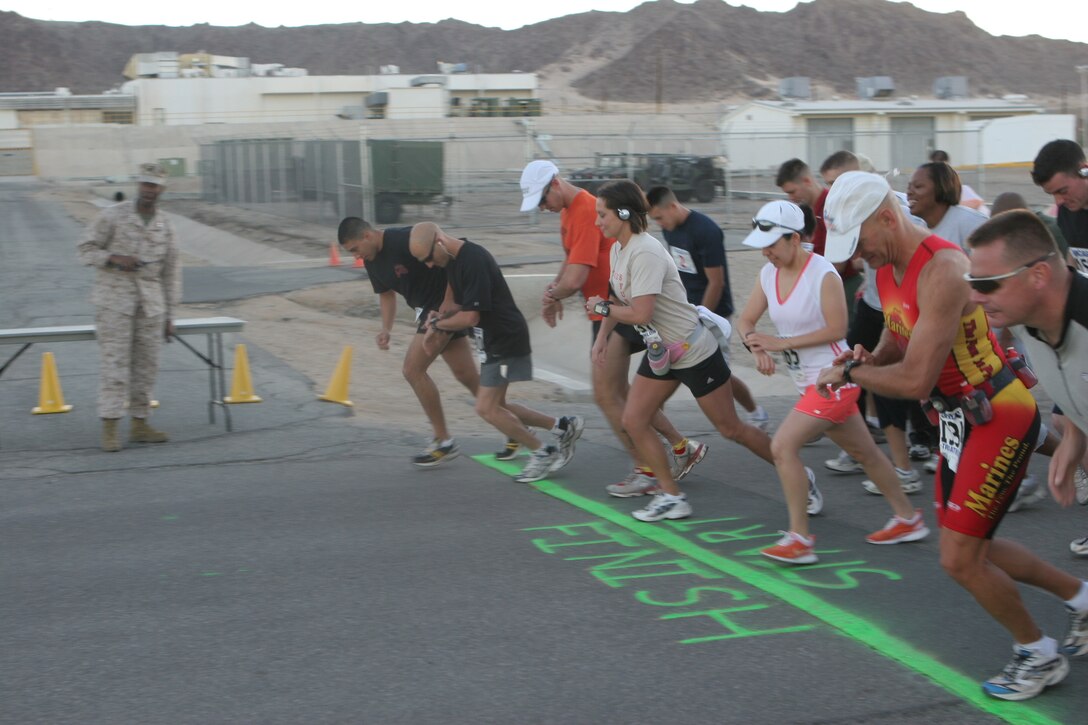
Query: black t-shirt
column 696, row 244
column 1074, row 226
column 478, row 286
column 396, row 269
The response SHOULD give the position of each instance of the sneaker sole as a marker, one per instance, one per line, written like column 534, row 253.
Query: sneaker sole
column 670, row 515
column 691, row 464
column 912, row 536
column 808, row 559
column 437, row 461
column 907, row 488
column 647, row 492
column 1055, row 677
column 852, row 469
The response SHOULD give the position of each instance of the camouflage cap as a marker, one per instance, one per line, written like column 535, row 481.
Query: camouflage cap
column 151, row 173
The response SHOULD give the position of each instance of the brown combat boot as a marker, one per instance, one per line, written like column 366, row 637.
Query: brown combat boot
column 110, row 442
column 141, row 432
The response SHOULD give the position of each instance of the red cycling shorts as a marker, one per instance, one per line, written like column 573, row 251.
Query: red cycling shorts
column 994, row 458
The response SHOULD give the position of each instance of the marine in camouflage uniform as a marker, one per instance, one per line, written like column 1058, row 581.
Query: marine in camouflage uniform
column 137, row 286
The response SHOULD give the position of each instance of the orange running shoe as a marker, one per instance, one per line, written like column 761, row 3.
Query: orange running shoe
column 898, row 531
column 792, row 549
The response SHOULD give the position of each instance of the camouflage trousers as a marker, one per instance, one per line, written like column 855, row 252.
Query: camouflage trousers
column 129, row 351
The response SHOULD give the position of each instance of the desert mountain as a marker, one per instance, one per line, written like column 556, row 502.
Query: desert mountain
column 705, row 51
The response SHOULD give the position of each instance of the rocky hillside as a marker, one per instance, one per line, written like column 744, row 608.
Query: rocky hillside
column 659, row 50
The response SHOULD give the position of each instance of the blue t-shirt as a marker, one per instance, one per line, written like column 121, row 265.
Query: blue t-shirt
column 696, row 244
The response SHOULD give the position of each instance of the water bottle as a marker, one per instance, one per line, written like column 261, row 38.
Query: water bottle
column 656, row 352
column 1020, row 366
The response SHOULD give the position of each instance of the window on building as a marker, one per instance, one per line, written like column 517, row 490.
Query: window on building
column 116, row 116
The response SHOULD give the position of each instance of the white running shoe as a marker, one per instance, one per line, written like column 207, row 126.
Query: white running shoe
column 909, row 480
column 570, row 436
column 760, row 419
column 1080, row 480
column 932, row 464
column 664, row 506
column 815, row 498
column 540, row 464
column 919, row 452
column 682, row 463
column 637, row 483
column 844, row 464
column 1027, row 675
column 1079, row 546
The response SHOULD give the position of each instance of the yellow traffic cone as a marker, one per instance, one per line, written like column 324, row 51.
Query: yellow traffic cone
column 337, row 392
column 50, row 397
column 241, row 385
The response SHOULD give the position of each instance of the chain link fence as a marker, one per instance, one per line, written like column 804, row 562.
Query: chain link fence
column 471, row 182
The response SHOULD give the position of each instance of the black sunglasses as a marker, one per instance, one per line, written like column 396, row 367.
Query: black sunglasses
column 766, row 226
column 989, row 285
column 544, row 194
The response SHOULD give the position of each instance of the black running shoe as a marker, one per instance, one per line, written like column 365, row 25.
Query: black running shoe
column 509, row 452
column 436, row 454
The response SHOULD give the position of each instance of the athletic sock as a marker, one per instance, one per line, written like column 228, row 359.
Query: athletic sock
column 447, row 442
column 1080, row 601
column 645, row 471
column 807, row 541
column 560, row 426
column 680, row 447
column 1045, row 646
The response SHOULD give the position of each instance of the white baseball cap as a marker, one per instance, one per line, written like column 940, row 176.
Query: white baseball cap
column 775, row 220
column 853, row 198
column 534, row 179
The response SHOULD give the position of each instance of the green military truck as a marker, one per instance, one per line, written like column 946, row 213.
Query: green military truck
column 689, row 177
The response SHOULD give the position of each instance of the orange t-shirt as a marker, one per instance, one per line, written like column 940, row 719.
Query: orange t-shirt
column 584, row 243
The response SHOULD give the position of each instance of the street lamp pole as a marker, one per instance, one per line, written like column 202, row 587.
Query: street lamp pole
column 1083, row 71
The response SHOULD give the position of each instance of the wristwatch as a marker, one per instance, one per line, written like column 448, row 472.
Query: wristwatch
column 602, row 308
column 847, row 367
column 436, row 328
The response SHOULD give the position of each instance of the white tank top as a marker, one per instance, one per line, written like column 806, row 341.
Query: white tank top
column 800, row 313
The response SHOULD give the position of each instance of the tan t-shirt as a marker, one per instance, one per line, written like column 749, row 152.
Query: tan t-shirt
column 644, row 267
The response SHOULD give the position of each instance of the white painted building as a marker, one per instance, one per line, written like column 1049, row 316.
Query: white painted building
column 894, row 133
column 185, row 101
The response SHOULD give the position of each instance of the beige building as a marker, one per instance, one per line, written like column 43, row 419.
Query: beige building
column 894, row 133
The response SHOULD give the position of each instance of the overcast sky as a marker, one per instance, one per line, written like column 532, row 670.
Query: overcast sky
column 1049, row 18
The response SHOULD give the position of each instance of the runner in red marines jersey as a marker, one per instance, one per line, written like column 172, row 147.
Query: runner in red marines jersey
column 938, row 347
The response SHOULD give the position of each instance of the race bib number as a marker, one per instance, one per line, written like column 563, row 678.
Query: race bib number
column 478, row 342
column 793, row 363
column 683, row 260
column 1080, row 258
column 952, row 425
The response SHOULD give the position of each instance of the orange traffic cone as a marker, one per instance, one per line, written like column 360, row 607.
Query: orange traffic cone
column 241, row 385
column 334, row 256
column 337, row 392
column 50, row 397
column 359, row 262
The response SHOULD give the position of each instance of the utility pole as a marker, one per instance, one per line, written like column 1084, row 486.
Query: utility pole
column 1083, row 71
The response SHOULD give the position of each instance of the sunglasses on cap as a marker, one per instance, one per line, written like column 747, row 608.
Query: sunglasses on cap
column 989, row 285
column 765, row 226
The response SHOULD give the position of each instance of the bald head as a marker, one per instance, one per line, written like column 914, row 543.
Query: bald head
column 1007, row 201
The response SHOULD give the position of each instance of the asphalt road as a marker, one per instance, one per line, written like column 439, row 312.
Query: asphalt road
column 300, row 569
